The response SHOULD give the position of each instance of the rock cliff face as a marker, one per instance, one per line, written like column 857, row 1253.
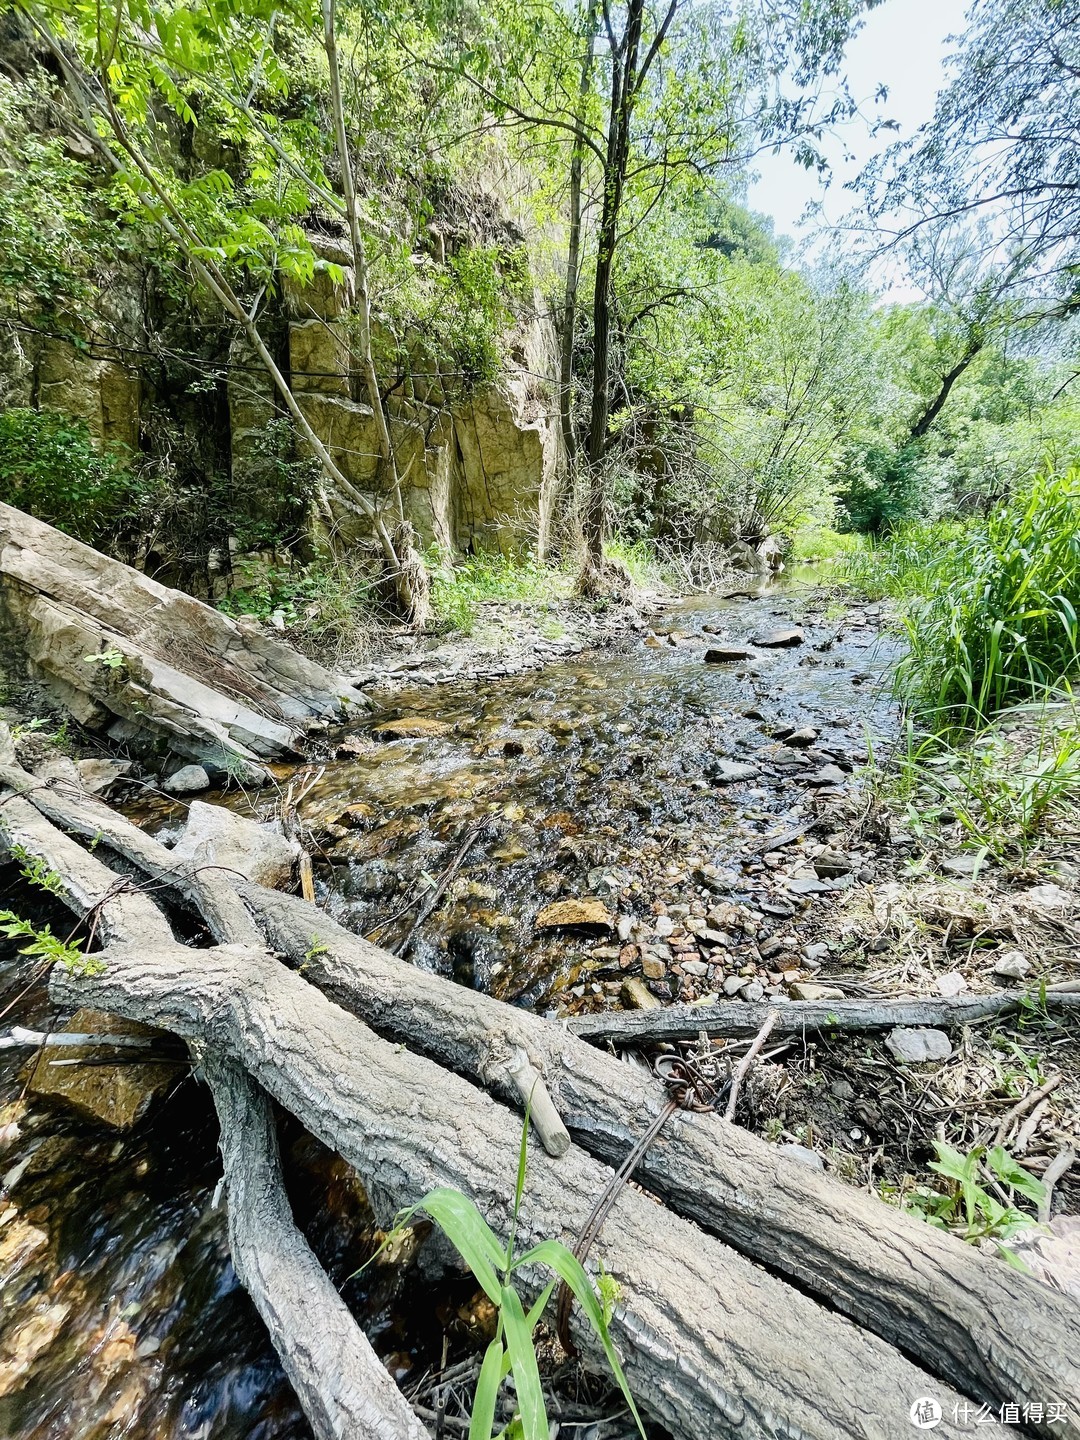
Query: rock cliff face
column 479, row 467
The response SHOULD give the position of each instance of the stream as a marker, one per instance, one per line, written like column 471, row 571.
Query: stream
column 630, row 777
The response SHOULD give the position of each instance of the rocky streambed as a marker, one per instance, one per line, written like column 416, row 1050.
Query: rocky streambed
column 682, row 814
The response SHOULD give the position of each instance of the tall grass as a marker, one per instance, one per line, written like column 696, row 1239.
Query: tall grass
column 458, row 591
column 991, row 609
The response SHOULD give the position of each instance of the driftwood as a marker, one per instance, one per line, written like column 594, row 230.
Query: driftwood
column 796, row 1017
column 342, row 1384
column 993, row 1333
column 983, row 1327
column 712, row 1345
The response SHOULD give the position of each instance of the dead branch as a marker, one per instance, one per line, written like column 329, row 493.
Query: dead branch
column 341, row 1383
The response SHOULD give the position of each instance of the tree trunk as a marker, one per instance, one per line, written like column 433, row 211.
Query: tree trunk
column 948, row 380
column 711, row 1344
column 979, row 1325
column 573, row 252
column 341, row 1383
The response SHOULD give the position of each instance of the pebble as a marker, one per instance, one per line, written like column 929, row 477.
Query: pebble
column 827, row 775
column 730, row 772
column 753, row 992
column 966, row 866
column 733, row 984
column 800, row 739
column 664, row 926
column 802, row 1155
column 188, row 780
column 918, row 1046
column 1013, row 965
column 810, row 990
column 951, row 983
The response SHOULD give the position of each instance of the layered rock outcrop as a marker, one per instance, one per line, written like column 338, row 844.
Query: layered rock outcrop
column 125, row 654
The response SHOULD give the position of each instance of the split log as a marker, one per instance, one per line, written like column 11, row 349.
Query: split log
column 980, row 1325
column 341, row 1383
column 799, row 1017
column 712, row 1344
column 216, row 689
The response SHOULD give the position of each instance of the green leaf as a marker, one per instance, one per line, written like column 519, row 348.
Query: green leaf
column 519, row 1344
column 568, row 1267
column 487, row 1393
column 470, row 1235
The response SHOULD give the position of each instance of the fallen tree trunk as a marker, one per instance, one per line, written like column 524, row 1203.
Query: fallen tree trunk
column 712, row 1345
column 341, row 1383
column 980, row 1325
column 57, row 794
column 119, row 910
column 214, row 689
column 799, row 1017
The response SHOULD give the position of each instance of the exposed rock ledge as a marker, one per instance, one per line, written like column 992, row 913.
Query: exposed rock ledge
column 172, row 672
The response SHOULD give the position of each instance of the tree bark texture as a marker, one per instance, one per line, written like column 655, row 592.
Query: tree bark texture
column 341, row 1383
column 981, row 1325
column 712, row 1344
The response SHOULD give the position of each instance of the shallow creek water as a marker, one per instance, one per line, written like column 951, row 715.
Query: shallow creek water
column 599, row 776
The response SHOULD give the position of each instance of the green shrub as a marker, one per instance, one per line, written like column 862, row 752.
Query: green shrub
column 884, row 489
column 50, row 468
column 992, row 616
column 458, row 591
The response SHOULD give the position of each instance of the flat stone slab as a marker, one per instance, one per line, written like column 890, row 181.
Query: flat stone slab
column 409, row 727
column 918, row 1046
column 727, row 654
column 730, row 772
column 779, row 639
column 588, row 912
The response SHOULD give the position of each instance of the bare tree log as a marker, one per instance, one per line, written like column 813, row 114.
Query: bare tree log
column 60, row 797
column 796, row 1017
column 123, row 913
column 712, row 1344
column 342, row 1385
column 980, row 1325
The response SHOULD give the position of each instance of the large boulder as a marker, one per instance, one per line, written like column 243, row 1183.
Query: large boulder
column 126, row 654
column 220, row 837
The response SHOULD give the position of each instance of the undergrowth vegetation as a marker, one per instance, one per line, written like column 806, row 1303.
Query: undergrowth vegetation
column 990, row 608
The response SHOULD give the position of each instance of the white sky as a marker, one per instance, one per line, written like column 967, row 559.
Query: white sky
column 902, row 45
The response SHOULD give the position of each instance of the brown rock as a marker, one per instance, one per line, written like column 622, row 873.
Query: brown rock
column 727, row 654
column 635, row 996
column 116, row 1094
column 588, row 912
column 410, row 727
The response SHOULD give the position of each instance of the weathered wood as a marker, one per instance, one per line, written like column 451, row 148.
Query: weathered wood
column 122, row 913
column 342, row 1385
column 534, row 1094
column 54, row 790
column 712, row 1344
column 983, row 1327
column 977, row 1323
column 797, row 1017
